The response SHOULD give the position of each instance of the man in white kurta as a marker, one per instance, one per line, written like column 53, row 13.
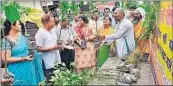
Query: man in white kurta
column 96, row 23
column 124, row 30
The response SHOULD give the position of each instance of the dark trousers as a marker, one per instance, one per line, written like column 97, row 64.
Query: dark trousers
column 47, row 72
column 67, row 56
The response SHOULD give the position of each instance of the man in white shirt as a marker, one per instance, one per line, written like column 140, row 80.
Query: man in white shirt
column 124, row 35
column 46, row 44
column 96, row 23
column 67, row 35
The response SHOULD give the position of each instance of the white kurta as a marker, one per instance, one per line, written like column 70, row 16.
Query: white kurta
column 92, row 25
column 124, row 29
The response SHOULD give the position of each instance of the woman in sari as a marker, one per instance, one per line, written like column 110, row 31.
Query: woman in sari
column 27, row 69
column 106, row 29
column 85, row 58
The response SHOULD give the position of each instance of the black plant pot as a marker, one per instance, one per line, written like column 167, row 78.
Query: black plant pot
column 83, row 44
column 97, row 43
column 69, row 42
column 59, row 42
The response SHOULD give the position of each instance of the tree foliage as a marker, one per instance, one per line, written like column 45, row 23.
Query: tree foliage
column 152, row 15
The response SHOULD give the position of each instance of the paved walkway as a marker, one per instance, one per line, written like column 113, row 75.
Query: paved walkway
column 146, row 75
column 108, row 74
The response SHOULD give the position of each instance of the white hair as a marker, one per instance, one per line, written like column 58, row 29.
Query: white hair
column 121, row 10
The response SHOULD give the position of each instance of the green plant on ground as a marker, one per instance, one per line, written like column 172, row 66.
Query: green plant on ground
column 63, row 76
column 134, row 58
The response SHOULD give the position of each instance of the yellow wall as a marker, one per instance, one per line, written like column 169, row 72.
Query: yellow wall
column 165, row 27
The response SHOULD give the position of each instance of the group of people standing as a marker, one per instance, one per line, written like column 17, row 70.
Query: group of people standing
column 59, row 42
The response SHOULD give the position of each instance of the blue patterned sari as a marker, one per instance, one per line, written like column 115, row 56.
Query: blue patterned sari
column 26, row 72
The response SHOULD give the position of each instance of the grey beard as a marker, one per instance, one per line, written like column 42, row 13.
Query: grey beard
column 136, row 21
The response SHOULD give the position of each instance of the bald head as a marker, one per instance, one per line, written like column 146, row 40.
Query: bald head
column 47, row 21
column 119, row 14
column 46, row 18
column 120, row 10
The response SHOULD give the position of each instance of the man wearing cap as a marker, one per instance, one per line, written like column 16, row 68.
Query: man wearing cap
column 139, row 30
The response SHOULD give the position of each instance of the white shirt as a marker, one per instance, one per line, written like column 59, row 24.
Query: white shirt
column 124, row 30
column 92, row 25
column 46, row 38
column 64, row 34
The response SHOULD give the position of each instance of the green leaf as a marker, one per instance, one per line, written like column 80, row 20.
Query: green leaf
column 17, row 6
column 81, row 3
column 68, row 78
column 66, row 5
column 12, row 14
column 4, row 4
column 12, row 3
column 66, row 83
column 75, row 77
column 56, row 83
column 56, row 71
column 53, row 79
column 63, row 64
column 74, row 6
